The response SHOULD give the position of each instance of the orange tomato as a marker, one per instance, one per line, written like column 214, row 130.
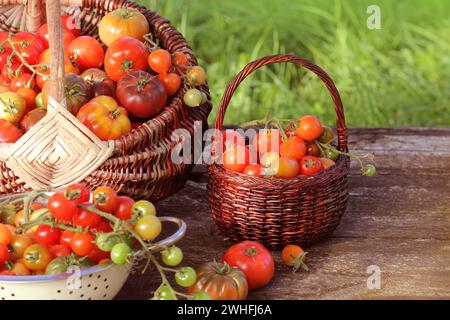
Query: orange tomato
column 294, row 256
column 267, row 140
column 287, row 168
column 30, row 97
column 236, row 158
column 20, row 269
column 294, row 148
column 309, row 128
column 5, row 234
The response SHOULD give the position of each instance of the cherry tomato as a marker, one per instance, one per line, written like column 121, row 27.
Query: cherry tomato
column 310, row 165
column 327, row 135
column 180, row 61
column 196, row 76
column 331, row 153
column 186, row 277
column 31, row 118
column 47, row 235
column 171, row 82
column 148, row 227
column 20, row 269
column 26, row 50
column 369, row 170
column 123, row 211
column 59, row 250
column 25, row 80
column 66, row 238
column 287, row 168
column 8, row 132
column 78, row 192
column 4, row 253
column 86, row 219
column 193, row 98
column 30, row 97
column 82, row 243
column 254, row 260
column 267, row 140
column 18, row 245
column 62, row 208
column 160, row 61
column 270, row 163
column 5, row 234
column 236, row 158
column 42, row 33
column 120, row 252
column 143, row 208
column 103, row 226
column 293, row 148
column 309, row 128
column 172, row 256
column 294, row 256
column 86, row 52
column 96, row 255
column 105, row 199
column 254, row 170
column 312, row 149
column 36, row 257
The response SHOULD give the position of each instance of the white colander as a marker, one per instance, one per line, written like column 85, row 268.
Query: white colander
column 92, row 283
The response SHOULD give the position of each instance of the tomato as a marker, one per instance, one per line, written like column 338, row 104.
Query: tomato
column 25, row 80
column 36, row 257
column 270, row 163
column 66, row 238
column 124, row 56
column 93, row 75
column 61, row 208
column 236, row 158
column 293, row 148
column 18, row 244
column 86, row 52
column 254, row 260
column 201, row 295
column 310, row 165
column 11, row 70
column 221, row 282
column 41, row 80
column 171, row 82
column 327, row 135
column 294, row 256
column 312, row 149
column 160, row 61
column 31, row 39
column 267, row 140
column 8, row 132
column 106, row 87
column 254, row 170
column 193, row 98
column 76, row 92
column 105, row 118
column 12, row 107
column 123, row 22
column 309, row 128
column 120, row 252
column 106, row 241
column 78, row 192
column 5, row 234
column 42, row 33
column 287, row 168
column 148, row 227
column 164, row 292
column 26, row 50
column 96, row 255
column 186, row 277
column 196, row 76
column 141, row 94
column 7, row 273
column 59, row 250
column 30, row 97
column 72, row 24
column 369, row 170
column 82, row 243
column 172, row 256
column 105, row 199
column 47, row 235
column 20, row 269
column 331, row 153
column 86, row 219
column 57, row 265
column 143, row 208
column 36, row 213
column 103, row 226
column 31, row 118
column 44, row 66
column 180, row 61
column 326, row 163
column 4, row 253
column 123, row 211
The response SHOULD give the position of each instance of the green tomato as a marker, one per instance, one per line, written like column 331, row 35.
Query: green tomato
column 369, row 170
column 57, row 265
column 143, row 208
column 8, row 213
column 327, row 135
column 201, row 295
column 120, row 252
column 106, row 241
column 164, row 293
column 193, row 98
column 39, row 102
column 331, row 154
column 204, row 98
column 172, row 256
column 186, row 277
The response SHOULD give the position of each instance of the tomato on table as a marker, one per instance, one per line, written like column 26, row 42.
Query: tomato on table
column 294, row 256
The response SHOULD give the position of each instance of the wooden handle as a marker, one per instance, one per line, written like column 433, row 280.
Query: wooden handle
column 255, row 65
column 53, row 9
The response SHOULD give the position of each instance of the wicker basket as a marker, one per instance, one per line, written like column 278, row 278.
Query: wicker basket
column 277, row 212
column 60, row 150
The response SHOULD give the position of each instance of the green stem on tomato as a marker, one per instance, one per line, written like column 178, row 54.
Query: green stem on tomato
column 22, row 59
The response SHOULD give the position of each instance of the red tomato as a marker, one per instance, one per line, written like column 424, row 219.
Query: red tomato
column 25, row 80
column 78, row 192
column 8, row 132
column 66, row 238
column 72, row 24
column 42, row 33
column 310, row 165
column 10, row 71
column 82, row 243
column 30, row 38
column 180, row 61
column 293, row 148
column 105, row 199
column 26, row 49
column 254, row 170
column 171, row 82
column 124, row 56
column 103, row 226
column 96, row 255
column 7, row 273
column 59, row 250
column 123, row 211
column 312, row 149
column 160, row 61
column 47, row 235
column 254, row 260
column 62, row 208
column 309, row 128
column 236, row 158
column 287, row 168
column 4, row 253
column 267, row 140
column 86, row 52
column 86, row 219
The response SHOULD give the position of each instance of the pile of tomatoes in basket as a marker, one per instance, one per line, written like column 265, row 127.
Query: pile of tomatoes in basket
column 112, row 85
column 303, row 149
column 44, row 234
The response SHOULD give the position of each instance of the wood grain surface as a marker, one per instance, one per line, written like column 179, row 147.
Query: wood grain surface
column 398, row 221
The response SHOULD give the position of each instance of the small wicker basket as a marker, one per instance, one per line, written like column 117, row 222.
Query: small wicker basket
column 277, row 212
column 60, row 150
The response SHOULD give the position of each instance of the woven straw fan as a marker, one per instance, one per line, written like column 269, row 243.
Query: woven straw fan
column 58, row 150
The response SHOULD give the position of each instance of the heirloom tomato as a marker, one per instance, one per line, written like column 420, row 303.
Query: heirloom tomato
column 141, row 94
column 236, row 158
column 124, row 56
column 310, row 165
column 220, row 281
column 309, row 128
column 30, row 97
column 196, row 76
column 312, row 149
column 36, row 257
column 31, row 118
column 160, row 61
column 57, row 265
column 254, row 260
column 123, row 22
column 105, row 118
column 86, row 52
column 12, row 107
column 93, row 75
column 8, row 132
column 42, row 33
column 327, row 135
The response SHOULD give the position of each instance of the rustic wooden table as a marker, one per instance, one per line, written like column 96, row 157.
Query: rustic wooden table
column 398, row 221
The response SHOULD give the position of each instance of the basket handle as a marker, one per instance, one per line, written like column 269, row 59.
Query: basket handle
column 53, row 10
column 255, row 65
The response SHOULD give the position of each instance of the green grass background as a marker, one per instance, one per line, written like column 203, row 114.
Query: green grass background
column 396, row 76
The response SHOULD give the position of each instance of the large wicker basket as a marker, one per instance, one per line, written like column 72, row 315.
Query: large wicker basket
column 277, row 212
column 61, row 150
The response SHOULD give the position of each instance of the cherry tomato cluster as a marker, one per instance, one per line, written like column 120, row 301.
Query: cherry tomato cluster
column 109, row 84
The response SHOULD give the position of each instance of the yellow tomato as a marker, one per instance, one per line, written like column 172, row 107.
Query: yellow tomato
column 121, row 23
column 12, row 107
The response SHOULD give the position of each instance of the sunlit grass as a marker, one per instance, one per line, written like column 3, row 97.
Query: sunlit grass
column 396, row 76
